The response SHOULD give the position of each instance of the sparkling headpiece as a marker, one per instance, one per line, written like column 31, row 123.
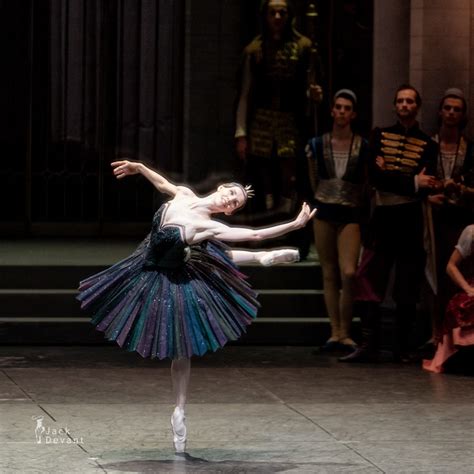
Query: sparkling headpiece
column 249, row 192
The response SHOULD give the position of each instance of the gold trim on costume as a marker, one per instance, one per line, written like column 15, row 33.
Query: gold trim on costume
column 412, row 155
column 356, row 146
column 416, row 141
column 391, row 143
column 393, row 136
column 403, row 161
column 413, row 147
column 390, row 150
column 407, row 154
column 273, row 131
column 401, row 169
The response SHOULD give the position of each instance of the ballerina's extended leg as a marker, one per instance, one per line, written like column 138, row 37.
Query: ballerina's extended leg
column 265, row 257
column 180, row 372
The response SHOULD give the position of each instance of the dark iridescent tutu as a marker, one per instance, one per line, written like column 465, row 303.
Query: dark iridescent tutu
column 171, row 300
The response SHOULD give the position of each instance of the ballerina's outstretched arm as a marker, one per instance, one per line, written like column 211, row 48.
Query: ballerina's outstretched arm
column 125, row 168
column 220, row 231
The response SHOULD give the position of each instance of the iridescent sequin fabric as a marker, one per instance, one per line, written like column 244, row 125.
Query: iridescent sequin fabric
column 171, row 300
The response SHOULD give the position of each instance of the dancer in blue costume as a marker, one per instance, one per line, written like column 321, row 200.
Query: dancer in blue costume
column 180, row 293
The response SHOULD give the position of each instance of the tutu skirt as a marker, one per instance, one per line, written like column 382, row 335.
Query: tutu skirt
column 190, row 308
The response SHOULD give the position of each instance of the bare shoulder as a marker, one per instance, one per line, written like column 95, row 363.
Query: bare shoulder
column 184, row 191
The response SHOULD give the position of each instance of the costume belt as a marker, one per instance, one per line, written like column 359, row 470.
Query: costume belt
column 338, row 191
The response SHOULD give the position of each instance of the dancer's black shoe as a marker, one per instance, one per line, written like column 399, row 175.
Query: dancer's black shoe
column 361, row 354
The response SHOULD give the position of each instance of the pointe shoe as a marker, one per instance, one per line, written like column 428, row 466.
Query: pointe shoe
column 179, row 430
column 274, row 257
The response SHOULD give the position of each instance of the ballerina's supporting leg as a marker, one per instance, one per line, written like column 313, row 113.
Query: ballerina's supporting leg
column 180, row 372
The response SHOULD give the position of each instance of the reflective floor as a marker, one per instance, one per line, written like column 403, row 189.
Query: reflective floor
column 251, row 409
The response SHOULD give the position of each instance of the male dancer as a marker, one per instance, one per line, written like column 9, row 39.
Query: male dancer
column 338, row 162
column 452, row 206
column 402, row 169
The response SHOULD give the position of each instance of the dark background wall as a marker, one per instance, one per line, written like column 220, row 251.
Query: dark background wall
column 87, row 81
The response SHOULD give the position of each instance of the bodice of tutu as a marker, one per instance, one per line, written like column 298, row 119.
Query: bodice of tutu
column 166, row 248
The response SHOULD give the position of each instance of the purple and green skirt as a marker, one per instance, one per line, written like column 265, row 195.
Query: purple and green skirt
column 171, row 312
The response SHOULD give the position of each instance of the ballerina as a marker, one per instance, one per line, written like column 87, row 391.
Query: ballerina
column 180, row 293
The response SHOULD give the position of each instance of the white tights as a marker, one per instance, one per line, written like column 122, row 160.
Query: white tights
column 180, row 372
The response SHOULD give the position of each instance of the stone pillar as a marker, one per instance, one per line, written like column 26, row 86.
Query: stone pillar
column 391, row 56
column 441, row 41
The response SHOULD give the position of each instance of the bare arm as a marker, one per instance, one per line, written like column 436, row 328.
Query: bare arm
column 125, row 168
column 452, row 270
column 221, row 231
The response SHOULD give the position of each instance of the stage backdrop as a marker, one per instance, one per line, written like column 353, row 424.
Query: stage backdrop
column 102, row 79
column 88, row 81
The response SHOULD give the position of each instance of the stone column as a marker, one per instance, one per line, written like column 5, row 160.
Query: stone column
column 391, row 56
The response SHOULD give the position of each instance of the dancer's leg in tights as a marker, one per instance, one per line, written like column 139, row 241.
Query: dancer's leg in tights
column 181, row 368
column 180, row 372
column 265, row 257
column 348, row 244
column 325, row 234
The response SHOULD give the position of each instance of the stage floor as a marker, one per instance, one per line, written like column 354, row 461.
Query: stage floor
column 251, row 410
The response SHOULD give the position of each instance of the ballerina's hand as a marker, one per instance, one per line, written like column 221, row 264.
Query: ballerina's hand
column 124, row 168
column 304, row 216
column 470, row 291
